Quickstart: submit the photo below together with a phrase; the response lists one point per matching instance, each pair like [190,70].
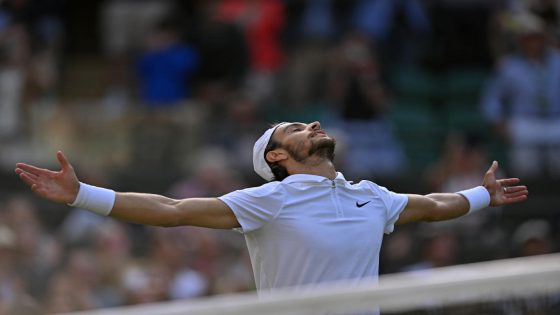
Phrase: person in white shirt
[307,226]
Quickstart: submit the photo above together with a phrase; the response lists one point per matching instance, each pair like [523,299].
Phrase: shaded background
[169,96]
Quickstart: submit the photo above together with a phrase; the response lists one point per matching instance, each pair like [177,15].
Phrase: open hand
[61,186]
[502,191]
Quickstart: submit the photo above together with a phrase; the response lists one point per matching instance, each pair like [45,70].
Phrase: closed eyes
[295,127]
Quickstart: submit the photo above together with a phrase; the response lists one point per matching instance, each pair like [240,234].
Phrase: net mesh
[517,286]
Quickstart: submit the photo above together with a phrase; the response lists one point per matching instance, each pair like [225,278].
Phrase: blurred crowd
[420,95]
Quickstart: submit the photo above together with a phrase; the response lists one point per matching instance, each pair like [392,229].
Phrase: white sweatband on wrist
[95,199]
[478,197]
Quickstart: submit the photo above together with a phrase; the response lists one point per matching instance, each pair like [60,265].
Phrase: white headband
[259,161]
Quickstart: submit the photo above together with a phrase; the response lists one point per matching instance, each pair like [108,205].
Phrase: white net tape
[488,281]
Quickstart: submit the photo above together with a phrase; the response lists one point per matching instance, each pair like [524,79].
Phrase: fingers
[515,189]
[20,171]
[27,178]
[32,169]
[508,181]
[515,194]
[515,199]
[62,160]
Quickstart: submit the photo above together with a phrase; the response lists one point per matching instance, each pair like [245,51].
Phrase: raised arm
[63,187]
[446,206]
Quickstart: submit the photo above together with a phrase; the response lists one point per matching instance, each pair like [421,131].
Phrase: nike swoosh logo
[359,205]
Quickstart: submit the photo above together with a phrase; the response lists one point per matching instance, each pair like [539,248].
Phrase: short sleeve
[394,203]
[254,207]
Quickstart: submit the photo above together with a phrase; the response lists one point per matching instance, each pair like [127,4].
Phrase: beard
[322,148]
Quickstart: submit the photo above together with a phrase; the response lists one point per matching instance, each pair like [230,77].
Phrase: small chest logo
[359,205]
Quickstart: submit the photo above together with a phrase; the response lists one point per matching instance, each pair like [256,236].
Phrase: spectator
[72,289]
[398,25]
[463,157]
[533,237]
[224,62]
[523,101]
[146,282]
[213,175]
[111,246]
[31,35]
[360,100]
[318,20]
[378,17]
[165,71]
[124,25]
[168,249]
[262,22]
[15,52]
[439,250]
[166,67]
[47,36]
[398,252]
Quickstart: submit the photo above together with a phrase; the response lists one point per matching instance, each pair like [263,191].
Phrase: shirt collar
[307,178]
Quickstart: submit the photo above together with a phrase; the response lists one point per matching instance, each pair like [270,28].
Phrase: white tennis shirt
[308,229]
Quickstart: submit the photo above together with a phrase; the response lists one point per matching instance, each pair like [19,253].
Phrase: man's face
[302,141]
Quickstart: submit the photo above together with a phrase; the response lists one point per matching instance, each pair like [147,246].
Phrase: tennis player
[306,226]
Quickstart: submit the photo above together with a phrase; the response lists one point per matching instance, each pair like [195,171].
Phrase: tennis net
[481,288]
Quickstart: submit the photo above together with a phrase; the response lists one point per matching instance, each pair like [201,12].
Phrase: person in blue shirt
[165,68]
[522,101]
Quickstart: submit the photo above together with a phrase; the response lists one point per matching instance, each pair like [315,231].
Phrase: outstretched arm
[63,187]
[445,206]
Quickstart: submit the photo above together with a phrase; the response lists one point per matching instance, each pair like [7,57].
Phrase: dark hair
[278,171]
